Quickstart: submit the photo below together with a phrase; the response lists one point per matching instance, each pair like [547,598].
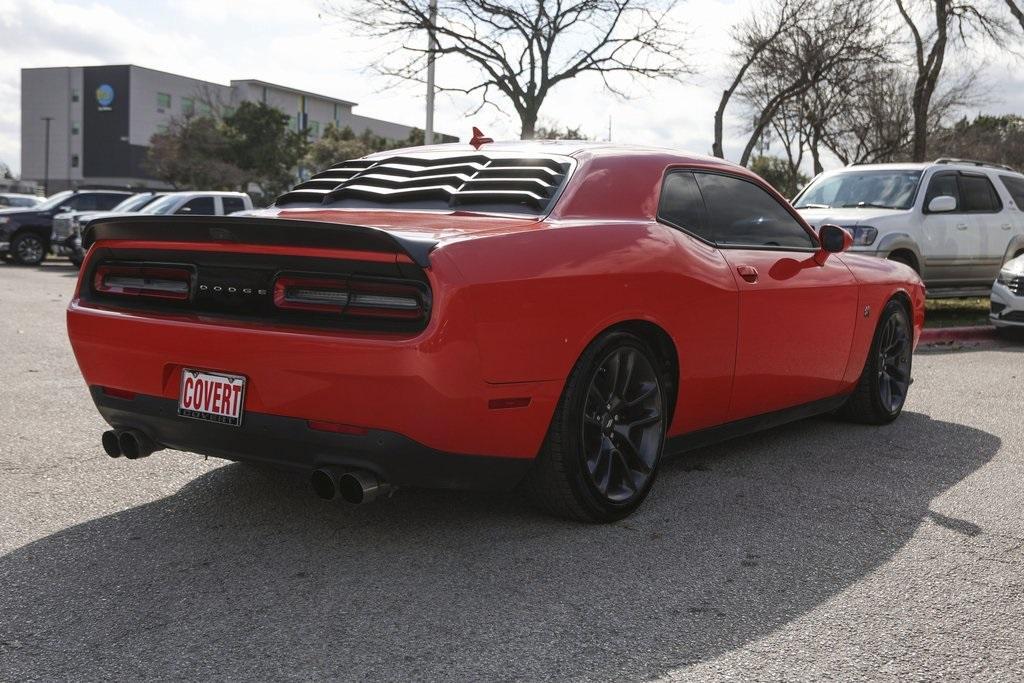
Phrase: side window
[105,202]
[232,204]
[1015,186]
[200,206]
[742,214]
[943,185]
[978,195]
[84,202]
[682,206]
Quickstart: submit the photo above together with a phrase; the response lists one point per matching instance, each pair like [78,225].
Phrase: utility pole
[428,133]
[46,159]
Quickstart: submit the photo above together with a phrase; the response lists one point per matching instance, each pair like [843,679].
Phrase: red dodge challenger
[553,315]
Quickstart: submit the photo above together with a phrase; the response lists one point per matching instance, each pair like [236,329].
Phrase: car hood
[77,214]
[85,216]
[844,217]
[19,211]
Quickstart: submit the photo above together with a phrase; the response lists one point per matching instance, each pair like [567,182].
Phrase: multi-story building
[92,125]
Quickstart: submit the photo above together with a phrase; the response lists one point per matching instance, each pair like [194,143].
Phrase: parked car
[9,199]
[558,314]
[65,240]
[200,204]
[1007,298]
[184,203]
[25,232]
[955,222]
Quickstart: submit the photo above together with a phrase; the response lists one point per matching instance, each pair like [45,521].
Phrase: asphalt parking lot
[817,550]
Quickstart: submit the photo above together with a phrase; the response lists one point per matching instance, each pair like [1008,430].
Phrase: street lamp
[46,159]
[428,132]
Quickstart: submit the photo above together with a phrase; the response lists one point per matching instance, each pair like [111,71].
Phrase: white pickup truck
[955,222]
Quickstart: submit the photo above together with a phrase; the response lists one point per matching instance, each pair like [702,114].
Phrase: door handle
[961,226]
[748,273]
[1006,226]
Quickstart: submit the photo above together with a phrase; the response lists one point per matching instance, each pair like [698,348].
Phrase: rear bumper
[428,388]
[289,442]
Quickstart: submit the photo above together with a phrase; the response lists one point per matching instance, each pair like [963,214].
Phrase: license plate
[212,396]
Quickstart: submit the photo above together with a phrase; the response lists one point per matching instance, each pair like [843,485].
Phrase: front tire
[28,249]
[885,380]
[606,439]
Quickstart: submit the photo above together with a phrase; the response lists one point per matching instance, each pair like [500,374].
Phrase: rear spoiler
[258,230]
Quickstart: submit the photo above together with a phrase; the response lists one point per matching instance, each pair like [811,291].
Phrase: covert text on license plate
[212,396]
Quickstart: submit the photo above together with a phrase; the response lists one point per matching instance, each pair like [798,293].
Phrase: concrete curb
[941,335]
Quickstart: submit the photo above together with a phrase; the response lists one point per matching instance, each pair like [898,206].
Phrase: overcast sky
[291,43]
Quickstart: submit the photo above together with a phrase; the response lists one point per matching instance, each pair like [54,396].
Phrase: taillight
[160,282]
[350,297]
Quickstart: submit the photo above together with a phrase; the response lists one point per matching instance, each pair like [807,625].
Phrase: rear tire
[885,380]
[28,249]
[602,451]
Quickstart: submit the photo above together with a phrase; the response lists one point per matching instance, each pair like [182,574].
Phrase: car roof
[201,193]
[953,165]
[570,148]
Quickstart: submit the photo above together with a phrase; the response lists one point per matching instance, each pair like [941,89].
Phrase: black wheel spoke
[650,418]
[648,389]
[893,363]
[623,424]
[632,457]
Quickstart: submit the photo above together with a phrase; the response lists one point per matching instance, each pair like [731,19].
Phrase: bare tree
[876,122]
[753,37]
[834,38]
[948,23]
[522,50]
[1016,11]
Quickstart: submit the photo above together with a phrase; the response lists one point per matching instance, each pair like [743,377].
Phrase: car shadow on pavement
[243,574]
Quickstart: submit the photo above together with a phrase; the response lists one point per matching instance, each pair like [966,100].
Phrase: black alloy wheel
[28,249]
[886,378]
[623,425]
[894,363]
[606,438]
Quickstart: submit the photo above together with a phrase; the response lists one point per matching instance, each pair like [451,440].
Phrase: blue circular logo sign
[105,95]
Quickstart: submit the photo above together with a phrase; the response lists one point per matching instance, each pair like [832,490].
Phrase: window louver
[483,181]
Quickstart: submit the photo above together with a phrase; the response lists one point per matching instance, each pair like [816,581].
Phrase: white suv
[955,222]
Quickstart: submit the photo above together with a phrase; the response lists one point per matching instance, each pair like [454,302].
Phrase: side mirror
[66,208]
[184,209]
[833,240]
[942,204]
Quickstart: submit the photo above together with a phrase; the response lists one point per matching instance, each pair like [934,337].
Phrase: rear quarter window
[1015,186]
[682,206]
[978,195]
